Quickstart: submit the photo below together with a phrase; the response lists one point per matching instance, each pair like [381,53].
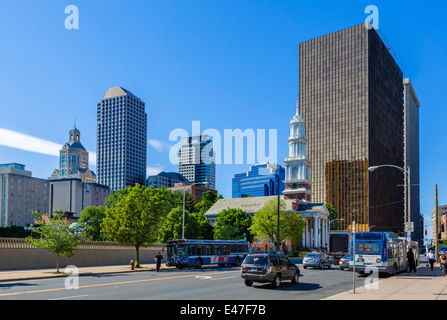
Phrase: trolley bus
[195,253]
[382,251]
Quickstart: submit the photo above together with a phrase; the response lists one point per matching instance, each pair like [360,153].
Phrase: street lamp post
[278,239]
[184,194]
[407,172]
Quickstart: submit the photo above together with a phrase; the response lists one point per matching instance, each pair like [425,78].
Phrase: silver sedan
[317,260]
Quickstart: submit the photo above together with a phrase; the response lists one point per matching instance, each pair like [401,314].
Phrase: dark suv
[272,267]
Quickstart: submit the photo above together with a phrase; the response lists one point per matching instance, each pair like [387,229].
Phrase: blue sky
[228,64]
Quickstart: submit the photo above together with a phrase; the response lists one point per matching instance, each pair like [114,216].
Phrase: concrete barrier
[17,254]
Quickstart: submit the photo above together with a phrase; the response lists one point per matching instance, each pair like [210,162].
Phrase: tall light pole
[407,172]
[278,239]
[184,194]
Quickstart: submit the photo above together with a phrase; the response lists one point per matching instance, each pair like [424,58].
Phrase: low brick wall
[17,254]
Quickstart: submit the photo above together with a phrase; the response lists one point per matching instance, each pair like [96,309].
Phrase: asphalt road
[208,283]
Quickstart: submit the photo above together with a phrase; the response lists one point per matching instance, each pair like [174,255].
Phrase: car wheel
[277,281]
[296,278]
[248,283]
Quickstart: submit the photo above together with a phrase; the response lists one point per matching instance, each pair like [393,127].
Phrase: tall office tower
[197,161]
[411,156]
[351,95]
[261,180]
[298,165]
[73,160]
[121,141]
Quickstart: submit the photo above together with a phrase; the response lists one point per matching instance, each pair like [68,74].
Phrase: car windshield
[256,260]
[313,255]
[346,256]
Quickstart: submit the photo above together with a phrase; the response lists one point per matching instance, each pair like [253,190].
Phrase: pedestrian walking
[158,259]
[431,259]
[411,262]
[443,260]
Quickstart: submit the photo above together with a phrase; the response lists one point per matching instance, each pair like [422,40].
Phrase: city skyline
[174,95]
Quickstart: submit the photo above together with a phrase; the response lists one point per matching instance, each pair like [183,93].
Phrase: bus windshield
[368,247]
[176,250]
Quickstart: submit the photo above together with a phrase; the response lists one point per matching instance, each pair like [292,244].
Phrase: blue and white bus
[381,251]
[195,253]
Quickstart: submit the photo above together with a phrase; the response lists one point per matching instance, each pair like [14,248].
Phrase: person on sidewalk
[158,259]
[443,260]
[411,262]
[431,259]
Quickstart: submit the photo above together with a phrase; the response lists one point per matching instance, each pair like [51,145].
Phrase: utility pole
[436,224]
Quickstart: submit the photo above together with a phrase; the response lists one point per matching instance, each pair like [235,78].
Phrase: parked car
[272,267]
[317,260]
[343,263]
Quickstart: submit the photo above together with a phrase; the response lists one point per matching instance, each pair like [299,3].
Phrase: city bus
[381,251]
[195,253]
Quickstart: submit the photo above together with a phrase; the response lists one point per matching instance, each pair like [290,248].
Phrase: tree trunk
[137,257]
[57,264]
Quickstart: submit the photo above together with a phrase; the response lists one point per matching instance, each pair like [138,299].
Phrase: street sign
[409,227]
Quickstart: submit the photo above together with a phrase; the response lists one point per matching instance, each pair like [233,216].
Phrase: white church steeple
[298,166]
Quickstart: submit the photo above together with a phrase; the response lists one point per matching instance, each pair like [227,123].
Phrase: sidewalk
[422,285]
[16,275]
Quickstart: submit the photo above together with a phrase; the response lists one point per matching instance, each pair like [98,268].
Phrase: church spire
[297,180]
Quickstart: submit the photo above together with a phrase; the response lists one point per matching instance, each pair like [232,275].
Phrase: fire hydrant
[132,265]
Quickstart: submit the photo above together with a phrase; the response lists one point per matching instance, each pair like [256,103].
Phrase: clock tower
[297,181]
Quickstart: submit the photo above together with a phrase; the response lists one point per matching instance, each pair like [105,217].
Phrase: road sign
[409,227]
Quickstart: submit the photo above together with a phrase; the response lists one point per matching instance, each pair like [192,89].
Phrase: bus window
[192,249]
[368,247]
[218,248]
[234,248]
[209,249]
[240,248]
[226,249]
[199,249]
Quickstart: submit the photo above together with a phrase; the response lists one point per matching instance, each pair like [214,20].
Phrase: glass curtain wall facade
[260,181]
[121,139]
[351,98]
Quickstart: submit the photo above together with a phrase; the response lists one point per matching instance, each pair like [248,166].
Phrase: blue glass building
[260,181]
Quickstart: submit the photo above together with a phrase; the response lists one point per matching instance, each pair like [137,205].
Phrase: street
[208,283]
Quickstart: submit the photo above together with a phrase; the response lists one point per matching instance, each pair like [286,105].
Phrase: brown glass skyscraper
[351,95]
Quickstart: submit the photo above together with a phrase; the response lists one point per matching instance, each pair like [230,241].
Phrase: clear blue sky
[228,64]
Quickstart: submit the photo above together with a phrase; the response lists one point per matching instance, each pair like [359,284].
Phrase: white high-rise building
[121,143]
[197,161]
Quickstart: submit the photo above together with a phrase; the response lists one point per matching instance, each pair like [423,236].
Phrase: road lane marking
[113,283]
[223,278]
[71,297]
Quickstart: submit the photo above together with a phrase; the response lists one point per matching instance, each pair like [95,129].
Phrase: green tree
[335,225]
[136,217]
[231,224]
[56,235]
[90,220]
[265,222]
[208,200]
[206,229]
[173,225]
